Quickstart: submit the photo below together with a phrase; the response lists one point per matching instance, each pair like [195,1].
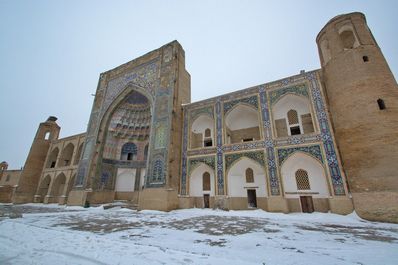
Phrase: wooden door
[307,205]
[206,201]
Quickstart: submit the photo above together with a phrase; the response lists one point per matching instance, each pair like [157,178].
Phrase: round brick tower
[363,104]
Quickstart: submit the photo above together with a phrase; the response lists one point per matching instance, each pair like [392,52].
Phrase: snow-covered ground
[74,235]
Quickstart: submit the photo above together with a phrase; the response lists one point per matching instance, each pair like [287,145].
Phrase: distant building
[324,140]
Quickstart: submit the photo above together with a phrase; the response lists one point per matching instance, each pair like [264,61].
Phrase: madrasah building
[324,140]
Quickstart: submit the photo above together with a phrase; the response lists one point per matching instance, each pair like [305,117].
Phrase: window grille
[303,183]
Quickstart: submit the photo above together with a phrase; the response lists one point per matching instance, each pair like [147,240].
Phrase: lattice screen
[303,183]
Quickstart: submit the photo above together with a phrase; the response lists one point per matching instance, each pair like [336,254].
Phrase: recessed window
[381,104]
[303,183]
[295,130]
[47,136]
[348,39]
[206,181]
[52,164]
[365,58]
[208,142]
[8,178]
[247,139]
[249,175]
[207,132]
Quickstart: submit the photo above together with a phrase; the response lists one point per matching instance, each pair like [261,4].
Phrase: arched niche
[52,159]
[316,175]
[66,155]
[57,188]
[237,178]
[348,37]
[43,187]
[292,116]
[196,180]
[202,132]
[129,122]
[242,124]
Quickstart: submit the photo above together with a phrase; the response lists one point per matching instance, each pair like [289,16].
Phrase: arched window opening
[302,180]
[207,132]
[8,178]
[207,141]
[201,132]
[206,181]
[381,104]
[365,58]
[348,39]
[47,136]
[129,152]
[67,153]
[249,175]
[242,124]
[293,121]
[52,159]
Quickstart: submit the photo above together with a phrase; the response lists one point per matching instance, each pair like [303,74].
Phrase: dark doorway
[252,199]
[206,201]
[307,205]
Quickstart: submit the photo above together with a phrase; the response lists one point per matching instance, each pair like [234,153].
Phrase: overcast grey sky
[52,52]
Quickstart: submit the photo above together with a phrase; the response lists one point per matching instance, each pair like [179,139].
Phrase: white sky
[52,52]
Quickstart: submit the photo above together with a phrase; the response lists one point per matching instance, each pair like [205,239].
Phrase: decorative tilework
[144,76]
[194,162]
[202,151]
[220,166]
[326,135]
[253,100]
[183,190]
[257,156]
[160,135]
[269,143]
[300,90]
[209,111]
[243,146]
[314,151]
[157,172]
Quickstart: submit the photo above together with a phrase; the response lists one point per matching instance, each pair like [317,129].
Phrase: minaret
[363,103]
[30,176]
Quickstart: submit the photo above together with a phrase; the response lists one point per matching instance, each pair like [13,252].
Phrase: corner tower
[363,103]
[30,176]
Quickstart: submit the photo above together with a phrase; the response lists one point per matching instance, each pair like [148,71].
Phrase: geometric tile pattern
[269,143]
[326,135]
[195,162]
[220,166]
[257,156]
[250,101]
[300,90]
[209,111]
[314,151]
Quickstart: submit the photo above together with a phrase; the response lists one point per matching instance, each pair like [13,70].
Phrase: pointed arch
[66,155]
[242,123]
[196,179]
[52,159]
[303,165]
[236,178]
